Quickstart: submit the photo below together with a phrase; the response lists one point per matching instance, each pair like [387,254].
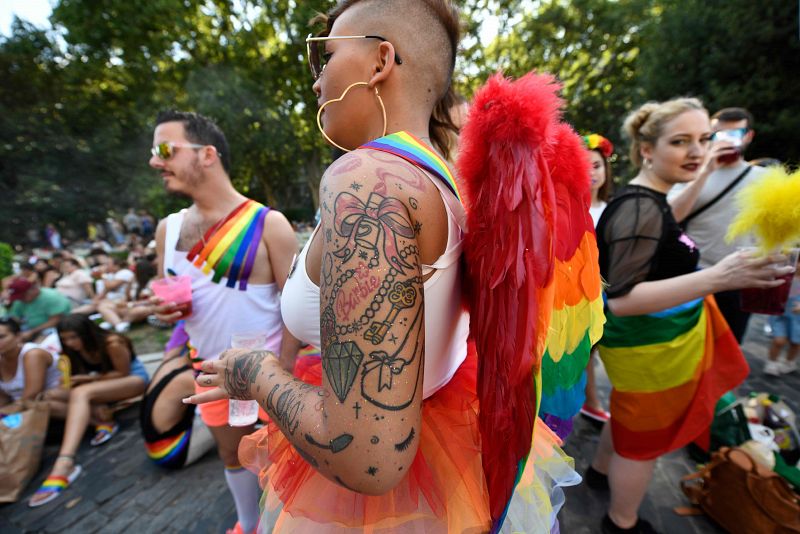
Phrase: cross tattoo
[356,407]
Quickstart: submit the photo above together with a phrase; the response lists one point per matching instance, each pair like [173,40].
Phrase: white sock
[246,494]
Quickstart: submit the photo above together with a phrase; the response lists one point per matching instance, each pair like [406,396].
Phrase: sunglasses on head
[166,150]
[317,57]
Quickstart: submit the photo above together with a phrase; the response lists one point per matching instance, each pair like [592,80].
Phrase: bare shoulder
[115,342]
[38,357]
[279,235]
[277,221]
[369,179]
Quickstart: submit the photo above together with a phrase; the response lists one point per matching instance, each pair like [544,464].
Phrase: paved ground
[120,491]
[585,508]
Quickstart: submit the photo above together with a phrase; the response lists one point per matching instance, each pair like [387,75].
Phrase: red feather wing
[510,257]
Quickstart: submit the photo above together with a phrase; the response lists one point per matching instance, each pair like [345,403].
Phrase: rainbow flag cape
[230,245]
[668,370]
[576,324]
[410,148]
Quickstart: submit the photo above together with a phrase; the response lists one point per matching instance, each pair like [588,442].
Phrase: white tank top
[219,311]
[16,386]
[446,319]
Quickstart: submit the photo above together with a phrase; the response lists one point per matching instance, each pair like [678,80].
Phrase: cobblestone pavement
[585,508]
[120,491]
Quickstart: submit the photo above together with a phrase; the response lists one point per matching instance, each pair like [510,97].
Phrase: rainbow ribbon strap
[230,245]
[410,148]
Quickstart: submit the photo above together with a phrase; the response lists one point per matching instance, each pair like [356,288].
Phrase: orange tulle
[444,490]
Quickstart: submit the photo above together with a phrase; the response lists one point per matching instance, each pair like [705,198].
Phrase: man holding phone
[706,207]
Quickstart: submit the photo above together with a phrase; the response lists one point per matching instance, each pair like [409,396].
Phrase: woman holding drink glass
[668,352]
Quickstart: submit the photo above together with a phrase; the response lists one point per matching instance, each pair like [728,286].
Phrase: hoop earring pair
[344,94]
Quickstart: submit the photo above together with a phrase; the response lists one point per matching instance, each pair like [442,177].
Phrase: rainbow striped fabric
[169,452]
[410,148]
[577,302]
[230,246]
[668,370]
[53,483]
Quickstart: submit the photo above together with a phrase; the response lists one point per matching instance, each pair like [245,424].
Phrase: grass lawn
[147,339]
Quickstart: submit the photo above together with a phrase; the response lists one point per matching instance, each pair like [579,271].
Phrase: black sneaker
[641,527]
[595,479]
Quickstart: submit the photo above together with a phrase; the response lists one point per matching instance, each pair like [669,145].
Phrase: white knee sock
[246,494]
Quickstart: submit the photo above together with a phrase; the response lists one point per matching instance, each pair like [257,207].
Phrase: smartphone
[733,136]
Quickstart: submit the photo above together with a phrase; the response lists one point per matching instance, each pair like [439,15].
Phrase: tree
[591,46]
[740,53]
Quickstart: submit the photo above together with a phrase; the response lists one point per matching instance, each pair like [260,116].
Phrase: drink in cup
[245,412]
[736,138]
[177,289]
[770,300]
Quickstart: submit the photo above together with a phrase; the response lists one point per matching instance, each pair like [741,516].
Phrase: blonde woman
[668,351]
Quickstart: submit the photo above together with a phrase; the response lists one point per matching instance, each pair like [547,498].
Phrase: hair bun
[636,119]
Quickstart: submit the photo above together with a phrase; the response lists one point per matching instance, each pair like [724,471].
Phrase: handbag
[23,426]
[743,496]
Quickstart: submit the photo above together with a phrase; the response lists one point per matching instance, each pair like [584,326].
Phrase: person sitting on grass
[26,369]
[114,295]
[104,369]
[77,285]
[39,309]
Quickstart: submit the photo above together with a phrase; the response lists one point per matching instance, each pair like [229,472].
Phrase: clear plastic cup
[177,289]
[245,413]
[770,300]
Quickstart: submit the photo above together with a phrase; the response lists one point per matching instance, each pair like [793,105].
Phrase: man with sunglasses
[706,207]
[238,254]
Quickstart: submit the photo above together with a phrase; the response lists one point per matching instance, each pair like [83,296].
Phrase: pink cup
[177,289]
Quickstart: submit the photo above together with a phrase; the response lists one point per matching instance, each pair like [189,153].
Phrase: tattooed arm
[361,427]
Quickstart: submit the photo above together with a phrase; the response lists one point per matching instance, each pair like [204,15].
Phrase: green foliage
[77,111]
[6,260]
[742,53]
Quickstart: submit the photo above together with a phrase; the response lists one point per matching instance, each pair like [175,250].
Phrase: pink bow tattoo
[380,219]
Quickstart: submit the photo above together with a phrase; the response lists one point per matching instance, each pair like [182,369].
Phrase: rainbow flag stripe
[230,246]
[668,370]
[167,452]
[577,302]
[410,148]
[309,351]
[54,483]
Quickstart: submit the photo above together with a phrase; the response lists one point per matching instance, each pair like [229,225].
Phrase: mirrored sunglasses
[166,150]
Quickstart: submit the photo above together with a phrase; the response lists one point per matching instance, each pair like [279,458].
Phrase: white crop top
[446,319]
[16,386]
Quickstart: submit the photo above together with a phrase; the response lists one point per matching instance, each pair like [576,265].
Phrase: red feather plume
[570,170]
[509,248]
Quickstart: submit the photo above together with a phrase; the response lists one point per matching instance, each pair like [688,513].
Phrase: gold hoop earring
[344,94]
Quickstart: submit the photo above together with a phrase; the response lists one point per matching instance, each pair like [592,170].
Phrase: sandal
[54,485]
[103,433]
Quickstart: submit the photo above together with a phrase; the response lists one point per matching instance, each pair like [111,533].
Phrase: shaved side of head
[424,33]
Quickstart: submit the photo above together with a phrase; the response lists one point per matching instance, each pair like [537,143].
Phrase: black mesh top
[639,241]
